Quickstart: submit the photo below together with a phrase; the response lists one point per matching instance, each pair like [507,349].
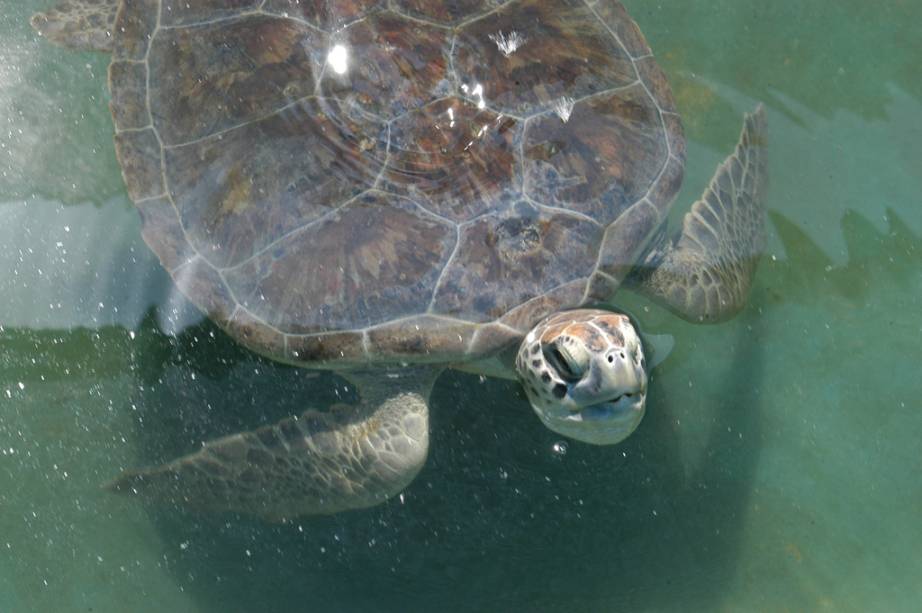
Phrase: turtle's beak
[607,403]
[616,376]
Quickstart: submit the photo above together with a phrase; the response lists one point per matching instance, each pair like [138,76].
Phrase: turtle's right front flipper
[705,272]
[84,25]
[350,457]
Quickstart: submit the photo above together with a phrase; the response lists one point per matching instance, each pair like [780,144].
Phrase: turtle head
[585,375]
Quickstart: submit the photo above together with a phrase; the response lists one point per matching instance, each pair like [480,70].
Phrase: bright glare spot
[338,59]
[507,43]
[564,107]
[451,117]
[478,92]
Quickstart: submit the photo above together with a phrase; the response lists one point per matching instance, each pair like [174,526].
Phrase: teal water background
[778,467]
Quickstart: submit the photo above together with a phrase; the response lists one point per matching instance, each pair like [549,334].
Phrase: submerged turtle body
[363,184]
[388,189]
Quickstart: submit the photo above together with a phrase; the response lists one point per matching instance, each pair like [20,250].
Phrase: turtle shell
[345,181]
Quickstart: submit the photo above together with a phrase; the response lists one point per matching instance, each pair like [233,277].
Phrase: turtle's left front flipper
[84,25]
[705,272]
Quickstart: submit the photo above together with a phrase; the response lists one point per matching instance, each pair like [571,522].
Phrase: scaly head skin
[585,375]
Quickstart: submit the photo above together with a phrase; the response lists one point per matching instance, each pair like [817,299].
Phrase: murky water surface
[778,466]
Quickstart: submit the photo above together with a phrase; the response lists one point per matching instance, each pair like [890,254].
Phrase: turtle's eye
[557,360]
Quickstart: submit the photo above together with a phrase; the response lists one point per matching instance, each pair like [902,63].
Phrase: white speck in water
[184,545]
[402,499]
[507,43]
[21,385]
[560,447]
[338,59]
[563,107]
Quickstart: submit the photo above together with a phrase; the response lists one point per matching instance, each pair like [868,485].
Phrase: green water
[778,467]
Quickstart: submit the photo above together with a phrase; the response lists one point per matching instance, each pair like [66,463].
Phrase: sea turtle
[387,189]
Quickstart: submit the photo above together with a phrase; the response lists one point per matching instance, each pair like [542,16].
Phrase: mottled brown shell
[351,181]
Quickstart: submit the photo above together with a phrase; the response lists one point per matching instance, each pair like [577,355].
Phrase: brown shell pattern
[352,181]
